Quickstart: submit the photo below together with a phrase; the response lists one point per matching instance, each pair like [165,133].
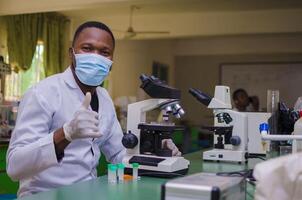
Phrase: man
[244,103]
[66,120]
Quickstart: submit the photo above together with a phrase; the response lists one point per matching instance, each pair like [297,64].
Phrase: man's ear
[70,52]
[71,57]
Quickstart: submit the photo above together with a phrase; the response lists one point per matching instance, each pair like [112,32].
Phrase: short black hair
[93,24]
[237,92]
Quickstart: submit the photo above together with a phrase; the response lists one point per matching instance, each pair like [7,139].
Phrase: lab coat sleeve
[112,146]
[31,149]
[279,178]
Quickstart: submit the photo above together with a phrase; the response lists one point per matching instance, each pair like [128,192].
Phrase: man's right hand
[85,123]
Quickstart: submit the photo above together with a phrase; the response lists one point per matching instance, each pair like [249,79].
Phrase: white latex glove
[279,178]
[84,123]
[169,144]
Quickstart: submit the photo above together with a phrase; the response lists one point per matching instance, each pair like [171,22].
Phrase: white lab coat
[279,178]
[31,157]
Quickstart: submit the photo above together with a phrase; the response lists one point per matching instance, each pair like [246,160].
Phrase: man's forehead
[91,35]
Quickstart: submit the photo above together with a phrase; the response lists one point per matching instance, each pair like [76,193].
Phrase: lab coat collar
[69,78]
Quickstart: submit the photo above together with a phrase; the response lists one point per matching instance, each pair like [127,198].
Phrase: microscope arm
[137,111]
[137,114]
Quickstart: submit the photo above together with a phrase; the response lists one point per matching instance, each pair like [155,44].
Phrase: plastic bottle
[135,167]
[264,129]
[120,172]
[112,173]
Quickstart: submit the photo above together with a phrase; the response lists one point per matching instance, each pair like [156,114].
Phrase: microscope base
[225,155]
[150,173]
[157,166]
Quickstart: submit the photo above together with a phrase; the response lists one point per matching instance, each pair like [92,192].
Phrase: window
[16,84]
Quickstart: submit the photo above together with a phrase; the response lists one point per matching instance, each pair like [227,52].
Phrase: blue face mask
[91,69]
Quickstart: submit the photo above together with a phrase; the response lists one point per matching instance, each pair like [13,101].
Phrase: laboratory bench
[143,189]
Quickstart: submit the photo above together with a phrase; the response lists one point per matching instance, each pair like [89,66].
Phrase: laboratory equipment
[230,127]
[5,68]
[135,167]
[144,139]
[273,107]
[289,128]
[284,150]
[7,113]
[112,177]
[255,144]
[120,172]
[272,100]
[7,121]
[264,131]
[235,133]
[205,186]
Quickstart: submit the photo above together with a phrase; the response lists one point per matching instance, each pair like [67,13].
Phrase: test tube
[135,171]
[272,107]
[112,173]
[120,171]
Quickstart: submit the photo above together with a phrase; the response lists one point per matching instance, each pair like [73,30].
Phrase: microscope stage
[158,166]
[160,127]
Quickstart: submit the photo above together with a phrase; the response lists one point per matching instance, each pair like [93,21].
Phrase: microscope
[144,140]
[230,127]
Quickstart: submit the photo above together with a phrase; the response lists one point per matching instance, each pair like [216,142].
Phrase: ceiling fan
[131,32]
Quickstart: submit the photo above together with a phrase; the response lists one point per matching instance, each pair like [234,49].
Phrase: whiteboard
[257,78]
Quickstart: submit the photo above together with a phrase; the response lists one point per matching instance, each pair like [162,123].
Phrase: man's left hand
[169,144]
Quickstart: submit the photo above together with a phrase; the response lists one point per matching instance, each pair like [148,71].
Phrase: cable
[243,173]
[246,174]
[251,195]
[251,181]
[160,174]
[254,156]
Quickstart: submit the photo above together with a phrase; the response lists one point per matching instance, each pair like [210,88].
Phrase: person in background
[67,120]
[244,103]
[254,102]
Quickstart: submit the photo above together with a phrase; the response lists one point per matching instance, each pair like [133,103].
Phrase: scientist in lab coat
[65,121]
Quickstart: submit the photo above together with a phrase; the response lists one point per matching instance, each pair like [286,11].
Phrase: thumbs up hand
[85,123]
[87,100]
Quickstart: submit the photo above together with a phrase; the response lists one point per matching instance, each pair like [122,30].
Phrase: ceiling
[182,6]
[120,7]
[183,18]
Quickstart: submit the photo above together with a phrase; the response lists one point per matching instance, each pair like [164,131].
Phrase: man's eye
[86,48]
[106,53]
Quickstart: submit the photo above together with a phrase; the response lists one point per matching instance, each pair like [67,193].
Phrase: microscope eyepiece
[156,88]
[143,77]
[200,96]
